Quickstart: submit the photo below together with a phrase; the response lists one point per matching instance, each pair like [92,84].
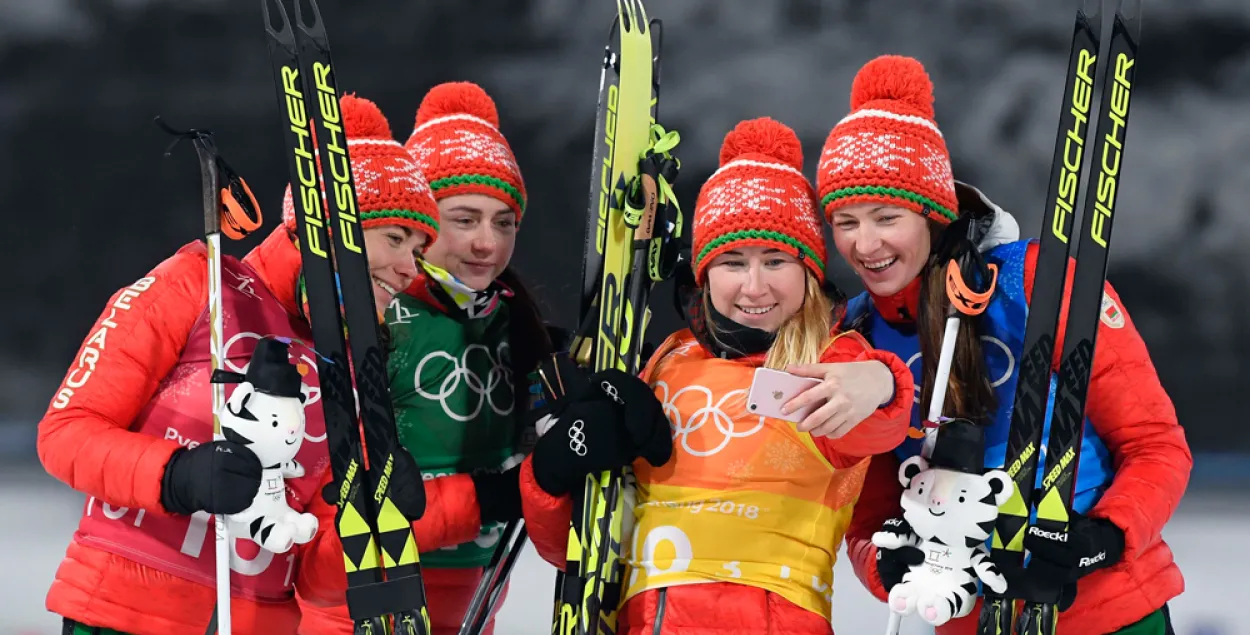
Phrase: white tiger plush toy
[265,412]
[951,514]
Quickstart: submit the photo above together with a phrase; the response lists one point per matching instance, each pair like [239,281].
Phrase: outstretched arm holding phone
[864,398]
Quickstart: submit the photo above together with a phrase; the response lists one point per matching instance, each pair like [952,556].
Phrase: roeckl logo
[1049,535]
[1086,562]
[894,522]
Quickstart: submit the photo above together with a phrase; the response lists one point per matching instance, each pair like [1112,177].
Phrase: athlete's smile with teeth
[385,287]
[878,265]
[755,310]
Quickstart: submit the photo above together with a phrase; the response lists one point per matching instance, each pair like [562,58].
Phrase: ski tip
[282,28]
[623,14]
[1091,10]
[633,16]
[1129,12]
[313,12]
[640,13]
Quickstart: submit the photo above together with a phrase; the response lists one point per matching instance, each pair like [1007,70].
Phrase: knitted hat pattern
[889,149]
[758,197]
[390,189]
[459,148]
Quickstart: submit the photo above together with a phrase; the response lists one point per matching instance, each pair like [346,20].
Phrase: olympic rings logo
[577,437]
[725,424]
[612,392]
[498,377]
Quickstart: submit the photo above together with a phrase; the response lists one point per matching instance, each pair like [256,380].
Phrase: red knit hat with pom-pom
[390,189]
[458,146]
[759,196]
[888,149]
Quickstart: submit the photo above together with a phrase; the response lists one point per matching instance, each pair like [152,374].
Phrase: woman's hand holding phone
[848,392]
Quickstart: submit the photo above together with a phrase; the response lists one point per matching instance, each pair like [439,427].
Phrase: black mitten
[498,495]
[407,490]
[645,421]
[615,420]
[221,477]
[893,564]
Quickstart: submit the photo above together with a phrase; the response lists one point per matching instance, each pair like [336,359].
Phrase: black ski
[1089,277]
[1028,414]
[383,565]
[1085,308]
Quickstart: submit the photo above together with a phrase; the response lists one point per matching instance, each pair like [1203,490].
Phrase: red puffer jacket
[85,439]
[1134,417]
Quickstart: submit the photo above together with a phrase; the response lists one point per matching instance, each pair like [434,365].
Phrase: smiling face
[477,234]
[951,506]
[393,254]
[756,286]
[886,246]
[272,427]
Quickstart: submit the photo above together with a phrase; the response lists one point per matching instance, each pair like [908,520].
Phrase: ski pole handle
[894,624]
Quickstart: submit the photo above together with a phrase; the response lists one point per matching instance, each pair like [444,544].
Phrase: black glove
[613,421]
[221,477]
[893,564]
[1058,560]
[407,490]
[1089,545]
[498,495]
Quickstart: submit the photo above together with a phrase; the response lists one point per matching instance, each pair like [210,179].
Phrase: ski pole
[240,216]
[494,578]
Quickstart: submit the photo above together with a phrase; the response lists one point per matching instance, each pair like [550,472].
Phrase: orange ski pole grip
[963,298]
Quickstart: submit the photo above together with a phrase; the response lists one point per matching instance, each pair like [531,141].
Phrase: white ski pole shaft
[212,230]
[896,622]
[938,399]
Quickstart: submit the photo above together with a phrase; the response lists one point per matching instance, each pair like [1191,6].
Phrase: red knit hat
[889,149]
[390,190]
[458,146]
[759,196]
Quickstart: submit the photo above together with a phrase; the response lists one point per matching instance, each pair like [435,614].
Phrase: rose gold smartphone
[771,389]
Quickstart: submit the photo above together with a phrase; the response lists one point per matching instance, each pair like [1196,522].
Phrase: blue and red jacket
[1134,462]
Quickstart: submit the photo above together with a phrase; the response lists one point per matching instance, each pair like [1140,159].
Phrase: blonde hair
[802,338]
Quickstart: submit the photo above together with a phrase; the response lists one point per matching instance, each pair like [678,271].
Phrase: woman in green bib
[464,336]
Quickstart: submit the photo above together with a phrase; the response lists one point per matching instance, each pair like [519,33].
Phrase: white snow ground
[38,515]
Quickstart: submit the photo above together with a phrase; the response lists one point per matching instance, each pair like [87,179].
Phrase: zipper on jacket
[659,612]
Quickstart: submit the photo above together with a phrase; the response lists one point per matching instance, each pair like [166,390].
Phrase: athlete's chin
[769,322]
[477,277]
[883,286]
[381,301]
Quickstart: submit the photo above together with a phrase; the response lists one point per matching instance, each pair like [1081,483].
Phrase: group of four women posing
[737,519]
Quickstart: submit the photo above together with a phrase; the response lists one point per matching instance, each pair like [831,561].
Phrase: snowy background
[91,204]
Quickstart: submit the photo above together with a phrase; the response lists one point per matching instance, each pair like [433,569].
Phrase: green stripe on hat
[480,179]
[760,234]
[383,214]
[880,190]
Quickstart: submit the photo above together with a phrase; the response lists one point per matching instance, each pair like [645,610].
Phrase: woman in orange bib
[736,531]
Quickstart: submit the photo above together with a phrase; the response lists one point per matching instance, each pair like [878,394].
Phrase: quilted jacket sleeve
[84,438]
[547,518]
[1135,418]
[322,580]
[887,427]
